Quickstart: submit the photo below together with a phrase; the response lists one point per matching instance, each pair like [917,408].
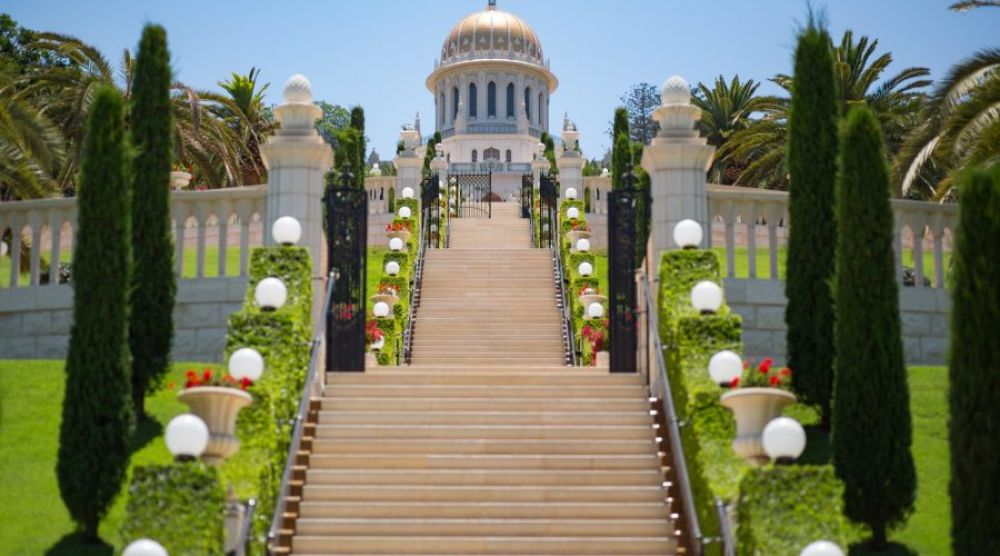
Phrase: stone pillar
[539,165]
[677,161]
[408,165]
[297,159]
[570,162]
[439,166]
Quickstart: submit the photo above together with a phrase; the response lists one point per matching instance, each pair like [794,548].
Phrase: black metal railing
[246,526]
[416,280]
[347,252]
[473,194]
[565,307]
[313,387]
[622,322]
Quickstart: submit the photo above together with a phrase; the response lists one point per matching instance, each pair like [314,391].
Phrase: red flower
[734,383]
[786,372]
[765,365]
[190,374]
[245,383]
[208,375]
[775,380]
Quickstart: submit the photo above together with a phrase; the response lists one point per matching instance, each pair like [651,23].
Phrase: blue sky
[378,53]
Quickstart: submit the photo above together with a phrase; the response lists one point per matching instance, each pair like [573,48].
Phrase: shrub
[97,415]
[181,506]
[974,428]
[782,509]
[812,159]
[871,411]
[154,286]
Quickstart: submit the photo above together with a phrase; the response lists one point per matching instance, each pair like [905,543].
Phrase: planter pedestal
[179,180]
[753,409]
[218,407]
[403,235]
[389,300]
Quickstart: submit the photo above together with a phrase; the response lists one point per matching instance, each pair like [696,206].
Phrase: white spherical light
[434,227]
[605,172]
[3,248]
[298,90]
[396,244]
[381,309]
[822,548]
[407,192]
[675,91]
[688,234]
[724,367]
[270,294]
[286,231]
[404,212]
[572,213]
[595,310]
[145,547]
[246,363]
[392,268]
[583,245]
[376,171]
[585,269]
[784,438]
[706,297]
[186,435]
[570,193]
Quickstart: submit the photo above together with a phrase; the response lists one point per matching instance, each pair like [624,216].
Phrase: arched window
[541,108]
[510,100]
[473,101]
[491,100]
[491,153]
[527,103]
[475,156]
[443,110]
[454,103]
[508,155]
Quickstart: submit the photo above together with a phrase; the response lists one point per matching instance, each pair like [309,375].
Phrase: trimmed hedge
[283,338]
[784,508]
[180,505]
[392,327]
[571,262]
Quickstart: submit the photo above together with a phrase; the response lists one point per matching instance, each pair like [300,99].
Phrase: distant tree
[358,123]
[620,123]
[550,153]
[431,152]
[151,327]
[640,101]
[643,203]
[335,118]
[621,158]
[591,167]
[388,168]
[347,152]
[974,393]
[97,416]
[872,430]
[373,158]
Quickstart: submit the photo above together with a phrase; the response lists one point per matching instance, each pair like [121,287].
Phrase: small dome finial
[676,91]
[492,5]
[298,90]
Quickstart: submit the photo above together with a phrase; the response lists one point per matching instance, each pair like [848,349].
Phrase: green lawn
[35,520]
[927,532]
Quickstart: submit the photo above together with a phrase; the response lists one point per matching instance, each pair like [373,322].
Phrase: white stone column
[408,164]
[539,165]
[677,160]
[570,162]
[297,159]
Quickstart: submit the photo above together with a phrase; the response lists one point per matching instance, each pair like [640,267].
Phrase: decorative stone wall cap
[298,90]
[675,91]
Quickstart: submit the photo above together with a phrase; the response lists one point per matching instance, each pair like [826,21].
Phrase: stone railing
[597,187]
[747,223]
[378,193]
[213,233]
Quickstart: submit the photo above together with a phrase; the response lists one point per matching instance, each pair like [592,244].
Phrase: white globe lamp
[405,212]
[246,363]
[392,268]
[571,193]
[784,439]
[145,547]
[286,231]
[407,192]
[270,294]
[706,297]
[822,548]
[186,436]
[724,367]
[434,227]
[585,269]
[583,245]
[688,234]
[605,173]
[396,244]
[3,248]
[572,213]
[381,309]
[595,310]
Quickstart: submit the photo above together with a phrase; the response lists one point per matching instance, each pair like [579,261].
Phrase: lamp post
[595,310]
[724,367]
[706,297]
[246,363]
[186,437]
[784,439]
[145,547]
[585,269]
[392,268]
[688,234]
[286,231]
[407,193]
[396,244]
[270,294]
[822,548]
[583,245]
[571,193]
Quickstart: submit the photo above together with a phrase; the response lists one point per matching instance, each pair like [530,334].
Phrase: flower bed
[392,327]
[590,336]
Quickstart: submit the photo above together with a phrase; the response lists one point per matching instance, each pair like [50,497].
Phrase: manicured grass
[928,530]
[374,271]
[35,520]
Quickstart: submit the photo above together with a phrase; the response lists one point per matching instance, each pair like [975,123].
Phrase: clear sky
[378,53]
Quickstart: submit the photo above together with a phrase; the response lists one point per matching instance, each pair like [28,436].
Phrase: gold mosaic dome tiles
[492,33]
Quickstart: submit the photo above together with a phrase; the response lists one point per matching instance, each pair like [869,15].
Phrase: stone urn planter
[389,300]
[179,180]
[576,236]
[402,234]
[753,409]
[586,300]
[218,406]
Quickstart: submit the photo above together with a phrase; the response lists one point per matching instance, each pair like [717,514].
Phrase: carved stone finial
[675,91]
[298,90]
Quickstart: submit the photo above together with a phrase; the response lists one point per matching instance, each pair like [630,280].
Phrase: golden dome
[492,33]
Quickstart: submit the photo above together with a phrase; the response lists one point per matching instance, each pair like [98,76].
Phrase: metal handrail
[725,529]
[673,427]
[313,378]
[566,307]
[245,527]
[418,270]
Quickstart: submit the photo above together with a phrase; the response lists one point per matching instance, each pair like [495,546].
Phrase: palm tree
[31,148]
[896,101]
[970,4]
[250,119]
[725,110]
[959,127]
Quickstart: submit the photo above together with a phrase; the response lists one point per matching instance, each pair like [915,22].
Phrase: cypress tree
[643,203]
[431,152]
[358,123]
[153,284]
[550,153]
[871,410]
[621,124]
[621,157]
[97,413]
[974,396]
[812,165]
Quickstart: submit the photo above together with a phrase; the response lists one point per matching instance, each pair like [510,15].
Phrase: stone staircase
[488,443]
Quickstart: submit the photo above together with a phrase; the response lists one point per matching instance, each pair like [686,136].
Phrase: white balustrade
[597,187]
[378,193]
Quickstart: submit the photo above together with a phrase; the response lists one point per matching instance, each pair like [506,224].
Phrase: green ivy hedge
[180,505]
[571,275]
[783,508]
[283,338]
[393,327]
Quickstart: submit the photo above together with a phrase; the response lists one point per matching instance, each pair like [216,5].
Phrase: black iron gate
[527,186]
[621,276]
[347,242]
[473,195]
[430,207]
[548,193]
